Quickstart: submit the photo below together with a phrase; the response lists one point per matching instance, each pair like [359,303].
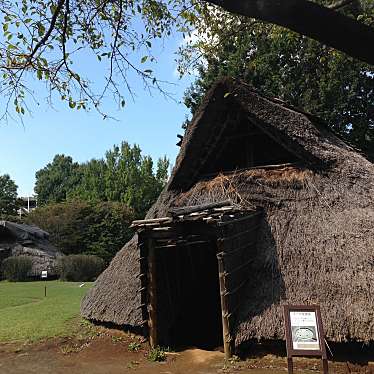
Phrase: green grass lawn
[26,315]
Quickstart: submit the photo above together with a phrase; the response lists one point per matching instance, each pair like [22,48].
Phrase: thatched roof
[27,240]
[316,240]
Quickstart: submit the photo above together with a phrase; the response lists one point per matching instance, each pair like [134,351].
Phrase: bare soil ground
[109,352]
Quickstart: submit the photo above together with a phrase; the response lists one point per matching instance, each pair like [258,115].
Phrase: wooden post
[227,344]
[152,287]
[143,278]
[325,366]
[290,365]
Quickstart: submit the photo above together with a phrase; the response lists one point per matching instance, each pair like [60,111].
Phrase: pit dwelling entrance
[194,266]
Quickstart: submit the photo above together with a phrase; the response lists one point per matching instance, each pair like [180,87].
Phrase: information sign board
[304,333]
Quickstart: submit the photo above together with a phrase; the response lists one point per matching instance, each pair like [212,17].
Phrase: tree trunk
[310,19]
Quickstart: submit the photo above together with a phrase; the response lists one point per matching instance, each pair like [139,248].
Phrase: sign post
[45,276]
[304,333]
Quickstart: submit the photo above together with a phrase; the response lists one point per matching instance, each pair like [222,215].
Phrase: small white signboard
[304,330]
[44,274]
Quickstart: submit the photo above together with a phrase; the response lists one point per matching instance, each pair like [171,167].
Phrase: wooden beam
[262,167]
[182,243]
[243,218]
[144,222]
[198,208]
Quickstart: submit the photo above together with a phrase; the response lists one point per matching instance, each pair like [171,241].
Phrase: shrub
[134,346]
[81,268]
[157,354]
[16,268]
[78,227]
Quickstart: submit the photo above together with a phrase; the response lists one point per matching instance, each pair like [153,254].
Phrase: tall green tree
[289,66]
[8,196]
[55,180]
[75,226]
[90,185]
[124,176]
[46,39]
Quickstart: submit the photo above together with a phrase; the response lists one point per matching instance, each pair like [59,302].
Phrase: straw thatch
[316,240]
[31,241]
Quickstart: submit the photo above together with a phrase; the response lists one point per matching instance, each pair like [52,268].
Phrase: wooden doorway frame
[233,247]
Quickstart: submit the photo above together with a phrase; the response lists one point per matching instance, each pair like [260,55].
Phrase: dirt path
[108,353]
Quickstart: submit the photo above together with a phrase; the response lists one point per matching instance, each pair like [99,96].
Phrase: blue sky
[150,121]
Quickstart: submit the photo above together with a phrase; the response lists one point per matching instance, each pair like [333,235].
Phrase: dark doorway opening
[189,304]
[194,268]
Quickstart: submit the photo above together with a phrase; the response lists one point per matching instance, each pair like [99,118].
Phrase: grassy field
[26,315]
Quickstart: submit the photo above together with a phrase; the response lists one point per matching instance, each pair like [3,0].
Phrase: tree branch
[310,19]
[46,36]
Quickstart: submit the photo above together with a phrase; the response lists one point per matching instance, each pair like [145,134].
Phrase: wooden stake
[227,344]
[152,295]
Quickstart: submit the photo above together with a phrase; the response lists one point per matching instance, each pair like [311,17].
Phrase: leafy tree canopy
[286,65]
[124,175]
[56,180]
[8,196]
[46,40]
[76,227]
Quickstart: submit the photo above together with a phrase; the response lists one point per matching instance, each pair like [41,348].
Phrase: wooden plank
[145,222]
[182,244]
[240,219]
[197,208]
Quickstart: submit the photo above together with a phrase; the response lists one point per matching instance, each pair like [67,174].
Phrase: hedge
[80,268]
[16,268]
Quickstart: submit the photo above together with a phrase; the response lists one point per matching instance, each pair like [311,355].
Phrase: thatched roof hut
[18,239]
[311,243]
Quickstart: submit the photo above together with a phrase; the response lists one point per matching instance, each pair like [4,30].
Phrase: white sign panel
[304,330]
[44,274]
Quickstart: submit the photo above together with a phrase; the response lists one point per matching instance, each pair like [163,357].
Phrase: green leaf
[144,59]
[41,29]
